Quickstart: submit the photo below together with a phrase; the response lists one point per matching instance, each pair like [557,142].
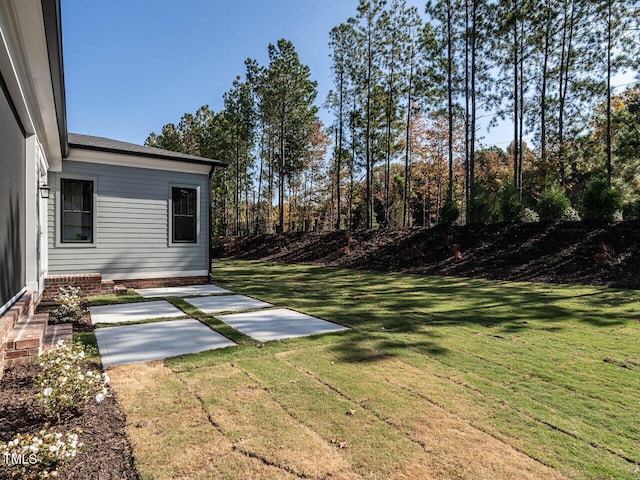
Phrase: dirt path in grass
[589,253]
[280,417]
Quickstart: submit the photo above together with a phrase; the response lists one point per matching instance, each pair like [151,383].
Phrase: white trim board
[135,161]
[12,300]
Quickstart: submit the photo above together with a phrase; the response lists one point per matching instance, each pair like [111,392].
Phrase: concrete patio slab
[227,303]
[156,341]
[278,324]
[134,312]
[187,291]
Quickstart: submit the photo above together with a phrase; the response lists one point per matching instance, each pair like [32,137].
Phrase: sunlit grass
[437,378]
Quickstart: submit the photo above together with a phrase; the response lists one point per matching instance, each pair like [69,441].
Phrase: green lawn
[438,378]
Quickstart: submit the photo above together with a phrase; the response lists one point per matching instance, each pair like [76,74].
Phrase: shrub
[449,213]
[64,382]
[217,248]
[511,207]
[529,216]
[631,210]
[571,215]
[38,456]
[480,208]
[69,304]
[600,201]
[553,203]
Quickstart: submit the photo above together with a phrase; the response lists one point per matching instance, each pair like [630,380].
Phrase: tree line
[409,95]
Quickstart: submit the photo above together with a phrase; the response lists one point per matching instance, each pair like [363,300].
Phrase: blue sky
[132,66]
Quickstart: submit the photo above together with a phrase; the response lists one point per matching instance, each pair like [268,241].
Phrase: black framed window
[184,214]
[77,211]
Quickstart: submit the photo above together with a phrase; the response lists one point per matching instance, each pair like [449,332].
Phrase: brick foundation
[163,282]
[90,284]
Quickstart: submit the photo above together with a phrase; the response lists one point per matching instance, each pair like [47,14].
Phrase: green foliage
[600,201]
[480,208]
[553,203]
[39,455]
[69,303]
[449,213]
[64,381]
[510,205]
[217,248]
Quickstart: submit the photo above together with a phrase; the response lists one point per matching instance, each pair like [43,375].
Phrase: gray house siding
[131,224]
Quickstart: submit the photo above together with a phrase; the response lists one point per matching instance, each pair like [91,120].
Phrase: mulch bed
[107,453]
[588,252]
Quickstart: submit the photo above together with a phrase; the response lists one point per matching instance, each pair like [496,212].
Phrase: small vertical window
[77,211]
[184,213]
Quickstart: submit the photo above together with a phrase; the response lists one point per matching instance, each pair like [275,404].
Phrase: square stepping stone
[227,303]
[278,323]
[134,312]
[187,291]
[156,341]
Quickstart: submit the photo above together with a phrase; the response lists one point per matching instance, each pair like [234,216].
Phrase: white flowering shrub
[37,456]
[529,216]
[571,215]
[65,383]
[69,304]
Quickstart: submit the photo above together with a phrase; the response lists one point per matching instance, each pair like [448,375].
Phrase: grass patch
[437,378]
[130,297]
[90,344]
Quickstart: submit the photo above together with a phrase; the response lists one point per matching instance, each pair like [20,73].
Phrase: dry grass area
[438,378]
[279,419]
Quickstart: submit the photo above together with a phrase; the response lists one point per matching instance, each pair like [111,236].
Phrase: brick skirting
[90,284]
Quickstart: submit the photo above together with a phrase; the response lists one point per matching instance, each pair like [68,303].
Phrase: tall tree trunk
[262,153]
[516,110]
[472,147]
[353,161]
[521,115]
[339,158]
[236,192]
[407,149]
[565,61]
[450,97]
[281,176]
[543,89]
[270,178]
[387,167]
[609,46]
[369,169]
[467,166]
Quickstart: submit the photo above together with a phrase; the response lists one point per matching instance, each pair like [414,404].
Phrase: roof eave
[212,163]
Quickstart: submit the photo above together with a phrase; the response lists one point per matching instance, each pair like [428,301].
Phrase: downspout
[210,223]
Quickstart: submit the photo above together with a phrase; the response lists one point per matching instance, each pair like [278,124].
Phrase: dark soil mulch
[593,253]
[106,454]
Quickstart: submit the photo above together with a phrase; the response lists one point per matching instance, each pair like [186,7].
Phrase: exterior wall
[12,202]
[29,145]
[131,216]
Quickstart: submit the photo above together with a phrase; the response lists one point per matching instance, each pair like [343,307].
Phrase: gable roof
[101,144]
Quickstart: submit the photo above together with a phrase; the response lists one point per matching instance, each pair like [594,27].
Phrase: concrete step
[25,340]
[56,332]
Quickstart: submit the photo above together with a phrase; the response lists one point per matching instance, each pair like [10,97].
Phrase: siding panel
[132,223]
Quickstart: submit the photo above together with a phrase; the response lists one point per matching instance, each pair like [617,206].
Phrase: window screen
[184,214]
[77,211]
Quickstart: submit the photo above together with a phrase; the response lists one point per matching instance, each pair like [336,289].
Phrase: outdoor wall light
[44,191]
